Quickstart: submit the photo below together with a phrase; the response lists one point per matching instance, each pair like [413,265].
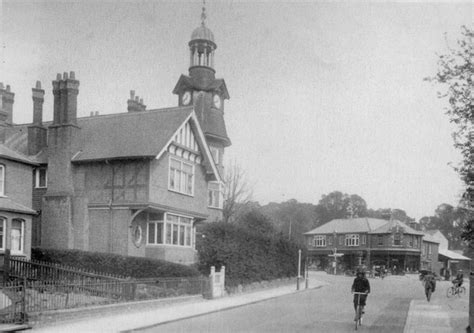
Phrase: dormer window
[41,178]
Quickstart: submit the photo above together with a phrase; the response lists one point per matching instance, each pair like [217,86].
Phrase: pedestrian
[360,285]
[430,285]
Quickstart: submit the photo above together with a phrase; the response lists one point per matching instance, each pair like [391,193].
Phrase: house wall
[159,193]
[18,180]
[109,230]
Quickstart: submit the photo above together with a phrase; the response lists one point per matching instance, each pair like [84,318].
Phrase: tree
[338,205]
[455,77]
[450,221]
[237,191]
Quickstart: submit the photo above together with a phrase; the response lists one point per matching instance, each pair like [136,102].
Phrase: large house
[133,183]
[365,242]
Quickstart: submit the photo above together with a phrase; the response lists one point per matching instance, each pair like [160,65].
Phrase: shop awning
[452,255]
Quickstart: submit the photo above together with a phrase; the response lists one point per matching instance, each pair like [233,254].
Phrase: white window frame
[181,183]
[22,237]
[155,235]
[37,177]
[215,196]
[2,180]
[352,240]
[3,225]
[320,241]
[174,228]
[399,236]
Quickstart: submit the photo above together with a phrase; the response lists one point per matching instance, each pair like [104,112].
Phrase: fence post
[23,317]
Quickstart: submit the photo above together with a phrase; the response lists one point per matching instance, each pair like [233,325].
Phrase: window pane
[2,223]
[181,235]
[151,233]
[16,236]
[168,233]
[188,236]
[159,233]
[175,234]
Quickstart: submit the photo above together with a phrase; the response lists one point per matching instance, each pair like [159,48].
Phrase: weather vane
[203,14]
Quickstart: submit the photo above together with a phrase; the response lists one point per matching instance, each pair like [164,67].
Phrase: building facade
[132,183]
[365,242]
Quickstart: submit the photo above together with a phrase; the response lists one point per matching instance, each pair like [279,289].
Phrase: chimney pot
[72,75]
[38,84]
[132,94]
[97,113]
[141,100]
[8,87]
[92,113]
[1,85]
[65,76]
[58,76]
[137,98]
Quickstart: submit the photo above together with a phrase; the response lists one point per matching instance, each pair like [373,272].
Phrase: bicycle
[359,310]
[455,290]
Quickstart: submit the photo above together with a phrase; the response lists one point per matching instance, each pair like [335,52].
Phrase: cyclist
[360,285]
[459,279]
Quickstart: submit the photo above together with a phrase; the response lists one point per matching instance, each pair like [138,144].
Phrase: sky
[324,95]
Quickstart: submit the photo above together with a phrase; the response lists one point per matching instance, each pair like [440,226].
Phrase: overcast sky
[324,95]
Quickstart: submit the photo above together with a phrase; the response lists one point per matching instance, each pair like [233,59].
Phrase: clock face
[217,101]
[186,99]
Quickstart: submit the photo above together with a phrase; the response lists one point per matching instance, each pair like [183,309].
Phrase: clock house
[139,194]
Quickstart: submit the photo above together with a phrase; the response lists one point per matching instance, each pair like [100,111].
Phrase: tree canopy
[455,77]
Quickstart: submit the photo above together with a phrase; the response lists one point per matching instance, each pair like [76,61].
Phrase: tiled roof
[10,154]
[389,225]
[128,135]
[356,225]
[6,204]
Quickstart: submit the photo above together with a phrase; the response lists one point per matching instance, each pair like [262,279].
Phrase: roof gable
[394,226]
[199,138]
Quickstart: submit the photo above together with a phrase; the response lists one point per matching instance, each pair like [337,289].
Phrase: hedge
[134,267]
[247,256]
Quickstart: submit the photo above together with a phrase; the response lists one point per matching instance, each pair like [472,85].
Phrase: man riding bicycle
[459,279]
[360,285]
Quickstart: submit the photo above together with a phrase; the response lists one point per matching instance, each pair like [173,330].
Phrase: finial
[203,14]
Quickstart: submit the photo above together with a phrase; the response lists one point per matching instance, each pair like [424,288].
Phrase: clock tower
[202,90]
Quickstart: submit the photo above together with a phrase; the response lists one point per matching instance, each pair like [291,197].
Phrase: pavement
[422,316]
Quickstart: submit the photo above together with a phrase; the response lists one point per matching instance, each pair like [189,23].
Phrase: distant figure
[430,285]
[447,275]
[360,285]
[459,279]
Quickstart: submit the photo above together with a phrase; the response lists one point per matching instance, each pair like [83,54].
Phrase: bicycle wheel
[461,291]
[450,292]
[357,321]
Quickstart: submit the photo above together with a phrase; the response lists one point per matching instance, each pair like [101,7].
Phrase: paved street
[328,309]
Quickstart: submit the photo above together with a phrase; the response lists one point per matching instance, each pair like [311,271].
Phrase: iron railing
[20,298]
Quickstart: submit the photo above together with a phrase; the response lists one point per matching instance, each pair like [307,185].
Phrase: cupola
[201,50]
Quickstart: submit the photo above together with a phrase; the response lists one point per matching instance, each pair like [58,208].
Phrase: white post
[299,271]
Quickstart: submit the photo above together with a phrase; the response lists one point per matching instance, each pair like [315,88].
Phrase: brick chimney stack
[65,91]
[6,105]
[37,133]
[135,103]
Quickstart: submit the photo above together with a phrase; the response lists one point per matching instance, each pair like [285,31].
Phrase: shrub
[107,263]
[248,256]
